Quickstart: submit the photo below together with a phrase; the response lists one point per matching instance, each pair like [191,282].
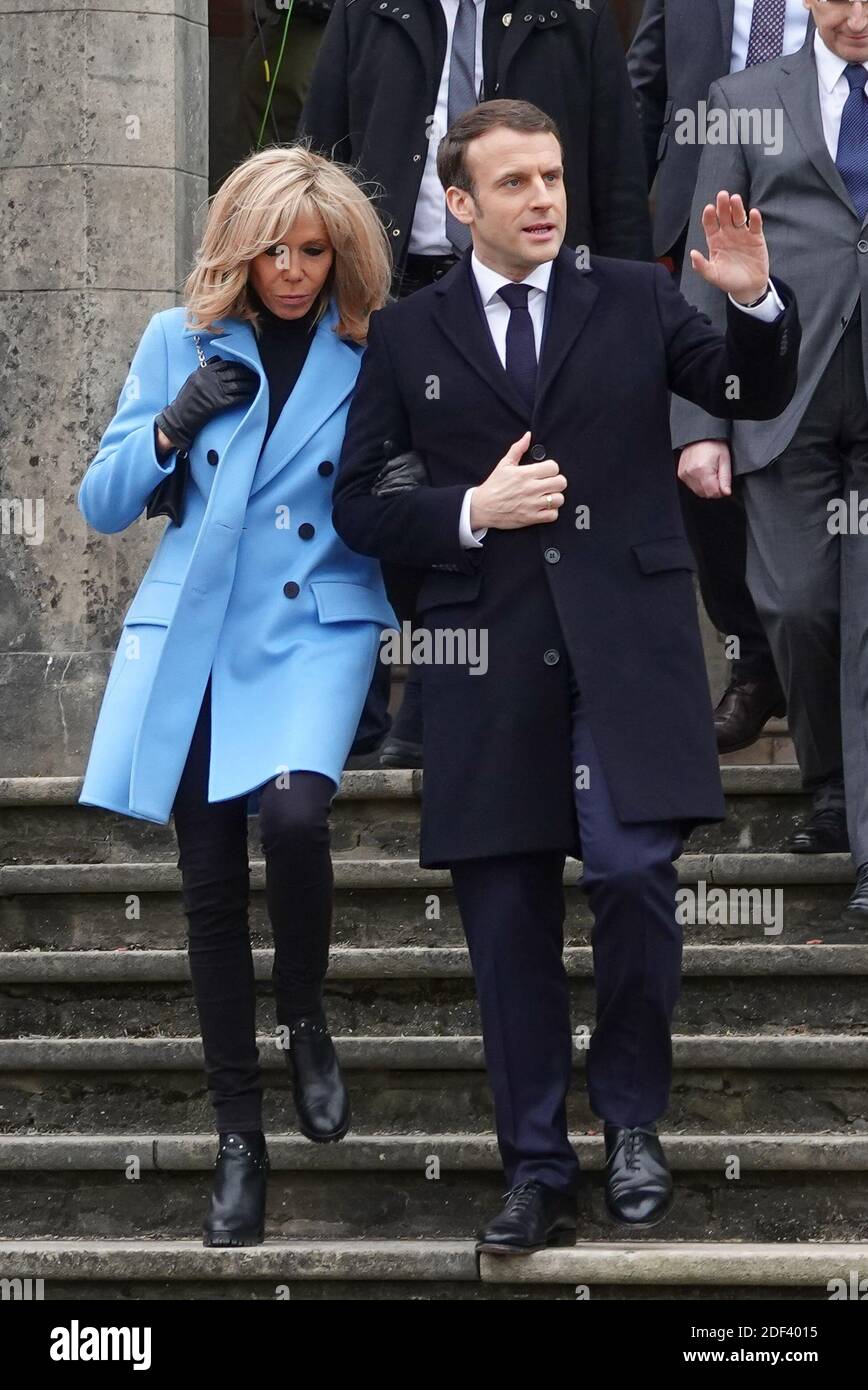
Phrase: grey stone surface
[98,232]
[797,1051]
[689,1153]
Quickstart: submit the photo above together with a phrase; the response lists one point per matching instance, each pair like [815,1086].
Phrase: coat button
[291,589]
[551,657]
[863,246]
[538,453]
[306,531]
[553,555]
[213,457]
[325,468]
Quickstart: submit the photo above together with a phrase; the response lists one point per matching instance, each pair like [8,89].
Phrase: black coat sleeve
[417,528]
[747,374]
[646,63]
[325,117]
[618,186]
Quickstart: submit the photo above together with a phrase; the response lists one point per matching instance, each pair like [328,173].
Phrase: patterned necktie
[852,156]
[766,31]
[521,364]
[462,95]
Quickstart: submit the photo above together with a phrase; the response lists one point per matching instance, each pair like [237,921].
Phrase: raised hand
[738,258]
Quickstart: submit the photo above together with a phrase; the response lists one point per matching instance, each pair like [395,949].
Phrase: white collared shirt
[834,91]
[428,232]
[795,29]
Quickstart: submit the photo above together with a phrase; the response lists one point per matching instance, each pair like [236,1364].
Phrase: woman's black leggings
[212,845]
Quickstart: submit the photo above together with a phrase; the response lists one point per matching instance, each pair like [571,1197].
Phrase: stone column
[103,177]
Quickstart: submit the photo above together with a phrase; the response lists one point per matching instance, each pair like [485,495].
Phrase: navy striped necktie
[852,156]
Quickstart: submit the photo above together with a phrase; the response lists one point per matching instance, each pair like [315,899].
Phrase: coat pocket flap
[155,602]
[339,601]
[442,587]
[671,553]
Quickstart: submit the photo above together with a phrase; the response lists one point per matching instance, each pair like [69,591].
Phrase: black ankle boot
[236,1215]
[321,1101]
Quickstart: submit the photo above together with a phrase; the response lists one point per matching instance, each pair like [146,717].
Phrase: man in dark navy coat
[533,381]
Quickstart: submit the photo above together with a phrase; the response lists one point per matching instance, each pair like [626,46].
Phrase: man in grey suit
[681,47]
[804,476]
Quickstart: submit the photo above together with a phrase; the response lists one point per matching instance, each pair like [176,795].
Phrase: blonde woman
[248,649]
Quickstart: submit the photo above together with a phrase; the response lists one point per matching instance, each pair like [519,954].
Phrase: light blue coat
[289,674]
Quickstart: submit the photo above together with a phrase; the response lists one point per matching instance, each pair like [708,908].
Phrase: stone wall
[103,169]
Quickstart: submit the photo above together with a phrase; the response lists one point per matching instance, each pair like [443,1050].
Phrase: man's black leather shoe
[400,752]
[321,1101]
[824,832]
[743,710]
[236,1215]
[856,910]
[639,1188]
[533,1217]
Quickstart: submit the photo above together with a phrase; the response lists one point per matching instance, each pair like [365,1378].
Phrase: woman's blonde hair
[255,208]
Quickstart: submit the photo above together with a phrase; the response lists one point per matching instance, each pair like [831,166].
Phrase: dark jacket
[681,47]
[616,596]
[375,86]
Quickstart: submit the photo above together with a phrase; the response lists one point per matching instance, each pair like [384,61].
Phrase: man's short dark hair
[489,115]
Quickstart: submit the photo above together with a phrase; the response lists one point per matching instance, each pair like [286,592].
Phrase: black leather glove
[399,474]
[210,389]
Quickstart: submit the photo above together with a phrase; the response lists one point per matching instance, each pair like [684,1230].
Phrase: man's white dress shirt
[428,232]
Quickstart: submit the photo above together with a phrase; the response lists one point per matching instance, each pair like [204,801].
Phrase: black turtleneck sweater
[283,347]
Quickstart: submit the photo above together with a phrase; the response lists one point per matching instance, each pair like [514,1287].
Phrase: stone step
[401,1269]
[419,990]
[375,811]
[791,1082]
[391,901]
[810,1187]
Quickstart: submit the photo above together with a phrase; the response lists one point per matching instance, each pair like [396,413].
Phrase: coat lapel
[573,296]
[326,379]
[798,88]
[459,318]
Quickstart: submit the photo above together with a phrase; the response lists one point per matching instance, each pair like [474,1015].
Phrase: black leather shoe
[639,1189]
[321,1100]
[236,1215]
[824,832]
[400,752]
[533,1216]
[743,711]
[856,910]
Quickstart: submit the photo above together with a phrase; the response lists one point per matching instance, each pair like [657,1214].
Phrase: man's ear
[460,204]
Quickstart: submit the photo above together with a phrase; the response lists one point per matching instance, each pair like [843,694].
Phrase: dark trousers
[512,909]
[212,845]
[717,532]
[810,583]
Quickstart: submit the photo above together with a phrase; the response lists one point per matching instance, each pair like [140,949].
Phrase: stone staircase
[105,1130]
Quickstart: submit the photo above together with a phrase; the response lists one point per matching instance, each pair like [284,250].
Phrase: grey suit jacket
[681,47]
[817,242]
